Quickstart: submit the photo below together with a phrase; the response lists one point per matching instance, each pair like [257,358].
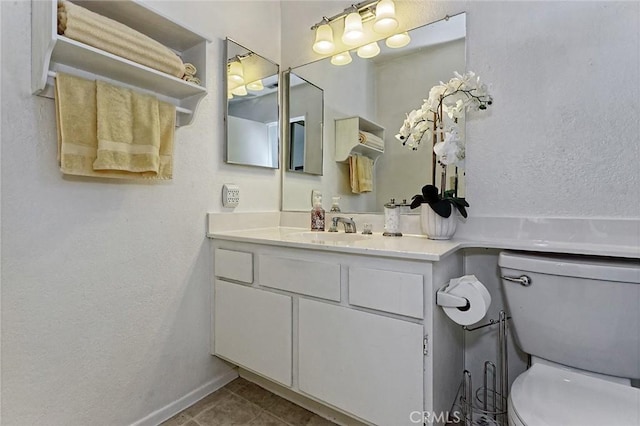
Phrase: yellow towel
[128,130]
[365,173]
[111,36]
[167,114]
[76,114]
[353,174]
[360,174]
[77,131]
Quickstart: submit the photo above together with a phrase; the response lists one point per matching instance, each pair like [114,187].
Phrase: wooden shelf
[52,53]
[347,141]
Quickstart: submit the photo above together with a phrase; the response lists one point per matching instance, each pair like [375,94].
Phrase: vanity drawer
[234,265]
[396,292]
[306,277]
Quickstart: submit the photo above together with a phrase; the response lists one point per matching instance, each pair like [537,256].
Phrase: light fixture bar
[358,7]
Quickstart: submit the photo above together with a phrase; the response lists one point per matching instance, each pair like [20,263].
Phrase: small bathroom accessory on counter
[317,215]
[392,219]
[335,204]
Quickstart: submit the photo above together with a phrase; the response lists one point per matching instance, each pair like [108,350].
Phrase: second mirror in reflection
[306,115]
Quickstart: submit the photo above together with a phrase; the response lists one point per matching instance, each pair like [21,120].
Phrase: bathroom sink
[335,238]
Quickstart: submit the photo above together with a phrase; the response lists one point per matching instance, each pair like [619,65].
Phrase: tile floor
[244,403]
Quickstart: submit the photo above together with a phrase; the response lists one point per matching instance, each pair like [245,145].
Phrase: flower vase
[436,227]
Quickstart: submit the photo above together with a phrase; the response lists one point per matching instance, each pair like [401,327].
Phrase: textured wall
[105,285]
[562,136]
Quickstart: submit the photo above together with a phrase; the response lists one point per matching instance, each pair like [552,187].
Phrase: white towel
[371,140]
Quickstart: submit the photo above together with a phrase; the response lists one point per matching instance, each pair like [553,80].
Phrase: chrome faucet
[349,224]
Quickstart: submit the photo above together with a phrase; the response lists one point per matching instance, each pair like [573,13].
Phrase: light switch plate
[314,194]
[230,195]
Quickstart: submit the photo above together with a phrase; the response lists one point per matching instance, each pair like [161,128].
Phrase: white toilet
[579,319]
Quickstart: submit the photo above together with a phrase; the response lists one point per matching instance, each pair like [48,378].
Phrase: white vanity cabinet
[360,334]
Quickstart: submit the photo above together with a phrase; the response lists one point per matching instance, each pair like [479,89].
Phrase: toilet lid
[546,395]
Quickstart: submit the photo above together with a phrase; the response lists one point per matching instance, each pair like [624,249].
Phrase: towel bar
[53,74]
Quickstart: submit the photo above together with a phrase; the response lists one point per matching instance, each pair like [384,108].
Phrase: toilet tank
[579,311]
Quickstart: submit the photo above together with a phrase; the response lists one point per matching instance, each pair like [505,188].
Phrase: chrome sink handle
[522,280]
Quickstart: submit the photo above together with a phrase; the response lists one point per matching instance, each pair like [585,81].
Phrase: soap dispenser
[392,219]
[317,215]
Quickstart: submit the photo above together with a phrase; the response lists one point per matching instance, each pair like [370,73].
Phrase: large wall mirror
[303,143]
[381,90]
[251,115]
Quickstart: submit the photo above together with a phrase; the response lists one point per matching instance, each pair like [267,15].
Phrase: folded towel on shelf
[371,140]
[111,36]
[190,69]
[360,173]
[192,79]
[81,124]
[128,130]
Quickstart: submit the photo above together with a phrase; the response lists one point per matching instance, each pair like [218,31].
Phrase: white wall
[561,138]
[401,172]
[105,285]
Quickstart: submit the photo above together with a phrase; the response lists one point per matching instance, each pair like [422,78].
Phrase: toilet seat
[550,396]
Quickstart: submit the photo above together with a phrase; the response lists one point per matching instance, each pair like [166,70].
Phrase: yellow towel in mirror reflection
[361,173]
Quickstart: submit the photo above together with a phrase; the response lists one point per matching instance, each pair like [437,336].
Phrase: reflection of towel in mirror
[369,139]
[361,174]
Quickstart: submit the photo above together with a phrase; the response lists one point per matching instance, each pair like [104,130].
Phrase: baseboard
[186,401]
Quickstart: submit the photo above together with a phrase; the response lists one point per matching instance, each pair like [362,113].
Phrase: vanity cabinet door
[365,364]
[252,328]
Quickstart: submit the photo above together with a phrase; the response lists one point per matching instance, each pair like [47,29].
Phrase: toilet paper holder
[448,300]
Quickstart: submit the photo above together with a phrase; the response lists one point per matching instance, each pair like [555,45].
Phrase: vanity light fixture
[398,40]
[342,58]
[240,91]
[386,20]
[369,50]
[353,31]
[235,72]
[255,86]
[324,38]
[383,15]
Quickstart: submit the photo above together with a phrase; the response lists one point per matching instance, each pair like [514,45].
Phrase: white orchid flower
[455,111]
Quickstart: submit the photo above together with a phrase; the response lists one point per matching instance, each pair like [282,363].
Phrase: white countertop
[417,247]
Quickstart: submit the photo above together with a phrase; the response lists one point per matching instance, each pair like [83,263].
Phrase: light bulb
[369,50]
[398,40]
[236,73]
[256,86]
[324,40]
[385,17]
[240,91]
[343,58]
[353,33]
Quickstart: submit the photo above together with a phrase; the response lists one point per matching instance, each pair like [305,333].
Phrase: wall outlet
[230,195]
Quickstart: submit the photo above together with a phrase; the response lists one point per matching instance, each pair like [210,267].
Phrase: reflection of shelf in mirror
[347,138]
